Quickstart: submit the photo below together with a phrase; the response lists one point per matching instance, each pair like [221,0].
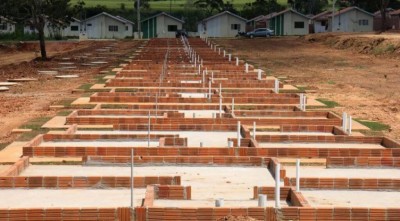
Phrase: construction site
[186,129]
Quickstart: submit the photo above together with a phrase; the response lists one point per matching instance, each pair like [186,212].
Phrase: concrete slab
[76,198]
[323,172]
[12,152]
[289,87]
[56,122]
[7,84]
[67,76]
[81,100]
[320,145]
[22,79]
[4,167]
[230,183]
[101,143]
[2,89]
[116,69]
[109,77]
[20,131]
[98,86]
[211,203]
[346,198]
[220,139]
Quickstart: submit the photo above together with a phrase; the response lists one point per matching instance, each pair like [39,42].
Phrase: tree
[308,6]
[260,7]
[210,5]
[38,14]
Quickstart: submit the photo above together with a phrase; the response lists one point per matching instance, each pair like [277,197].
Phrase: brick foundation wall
[16,168]
[361,162]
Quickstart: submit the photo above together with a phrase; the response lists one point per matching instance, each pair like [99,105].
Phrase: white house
[224,24]
[320,22]
[7,26]
[106,26]
[289,22]
[74,29]
[161,25]
[51,30]
[352,19]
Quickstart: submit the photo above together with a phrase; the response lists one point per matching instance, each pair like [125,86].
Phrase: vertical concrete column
[298,175]
[344,121]
[203,78]
[194,115]
[220,107]
[262,200]
[254,130]
[246,68]
[199,71]
[209,90]
[276,86]
[212,77]
[301,101]
[259,74]
[219,51]
[148,132]
[239,136]
[233,105]
[220,89]
[195,61]
[219,202]
[304,103]
[132,197]
[230,57]
[278,186]
[350,125]
[201,62]
[224,53]
[237,61]
[198,58]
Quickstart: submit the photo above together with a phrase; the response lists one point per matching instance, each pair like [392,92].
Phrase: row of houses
[224,24]
[100,26]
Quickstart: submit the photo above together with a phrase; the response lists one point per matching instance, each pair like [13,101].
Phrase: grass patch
[126,90]
[301,89]
[114,106]
[373,125]
[36,126]
[64,162]
[66,102]
[64,113]
[85,87]
[331,82]
[3,145]
[328,103]
[84,106]
[244,107]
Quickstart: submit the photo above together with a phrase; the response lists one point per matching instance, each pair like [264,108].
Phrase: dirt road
[365,85]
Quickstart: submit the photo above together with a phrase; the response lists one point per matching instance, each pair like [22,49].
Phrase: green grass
[85,87]
[328,103]
[373,125]
[3,145]
[36,126]
[114,106]
[331,82]
[64,113]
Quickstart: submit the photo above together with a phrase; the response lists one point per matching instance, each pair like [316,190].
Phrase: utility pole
[138,19]
[333,15]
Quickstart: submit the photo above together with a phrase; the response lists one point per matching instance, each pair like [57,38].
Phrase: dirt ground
[361,73]
[32,100]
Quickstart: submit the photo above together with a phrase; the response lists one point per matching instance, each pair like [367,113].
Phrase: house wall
[221,26]
[10,28]
[100,28]
[69,33]
[319,28]
[162,26]
[349,22]
[49,30]
[289,24]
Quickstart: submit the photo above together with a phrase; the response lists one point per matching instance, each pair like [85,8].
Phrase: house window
[126,28]
[89,25]
[298,24]
[363,22]
[32,28]
[74,28]
[172,28]
[235,27]
[3,26]
[113,28]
